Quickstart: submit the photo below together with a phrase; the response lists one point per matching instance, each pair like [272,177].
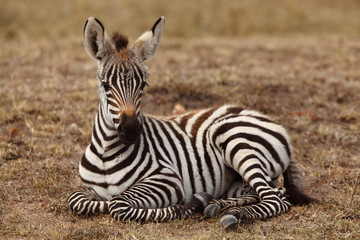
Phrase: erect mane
[120,41]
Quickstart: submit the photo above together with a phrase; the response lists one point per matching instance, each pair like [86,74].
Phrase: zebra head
[121,74]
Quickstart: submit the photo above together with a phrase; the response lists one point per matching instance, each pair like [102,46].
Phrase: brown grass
[296,62]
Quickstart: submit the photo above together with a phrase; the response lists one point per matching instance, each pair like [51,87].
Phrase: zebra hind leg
[87,202]
[263,209]
[247,196]
[217,206]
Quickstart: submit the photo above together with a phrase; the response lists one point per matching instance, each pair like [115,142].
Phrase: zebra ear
[147,44]
[96,41]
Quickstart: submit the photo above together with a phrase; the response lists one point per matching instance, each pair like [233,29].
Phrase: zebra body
[149,168]
[185,146]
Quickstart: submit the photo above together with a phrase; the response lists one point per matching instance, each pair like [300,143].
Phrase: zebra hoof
[212,210]
[229,222]
[203,200]
[282,191]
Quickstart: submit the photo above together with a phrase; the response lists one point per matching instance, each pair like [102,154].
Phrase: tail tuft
[294,188]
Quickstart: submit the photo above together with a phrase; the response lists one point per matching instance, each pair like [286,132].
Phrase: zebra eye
[106,86]
[143,84]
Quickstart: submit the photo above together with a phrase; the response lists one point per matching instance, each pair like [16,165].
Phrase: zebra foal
[223,160]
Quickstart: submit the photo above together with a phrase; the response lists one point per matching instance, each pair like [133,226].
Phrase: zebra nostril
[130,129]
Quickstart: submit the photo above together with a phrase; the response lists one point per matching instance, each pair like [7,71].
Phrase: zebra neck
[105,140]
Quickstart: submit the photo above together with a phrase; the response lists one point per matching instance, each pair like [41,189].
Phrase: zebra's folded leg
[87,202]
[242,195]
[216,206]
[122,209]
[269,207]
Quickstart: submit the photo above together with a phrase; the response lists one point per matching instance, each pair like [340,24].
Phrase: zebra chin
[129,130]
[130,137]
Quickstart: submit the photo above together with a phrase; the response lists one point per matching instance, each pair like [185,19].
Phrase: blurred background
[21,19]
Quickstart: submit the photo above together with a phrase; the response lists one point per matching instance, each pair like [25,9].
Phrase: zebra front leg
[122,209]
[87,202]
[157,198]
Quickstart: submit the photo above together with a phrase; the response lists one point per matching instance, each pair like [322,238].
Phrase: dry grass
[296,62]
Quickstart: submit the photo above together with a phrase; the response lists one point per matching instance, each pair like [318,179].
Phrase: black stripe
[114,145]
[234,110]
[103,185]
[147,196]
[228,126]
[103,119]
[195,128]
[114,112]
[90,167]
[184,119]
[139,191]
[276,204]
[86,23]
[179,195]
[126,162]
[258,183]
[109,72]
[96,137]
[161,142]
[219,165]
[98,21]
[260,140]
[153,28]
[153,188]
[129,174]
[116,154]
[254,166]
[241,146]
[103,134]
[187,156]
[264,212]
[250,156]
[147,168]
[172,145]
[263,119]
[151,138]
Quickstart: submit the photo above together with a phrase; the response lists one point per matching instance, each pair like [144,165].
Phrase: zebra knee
[279,203]
[85,203]
[286,205]
[118,208]
[76,203]
[281,191]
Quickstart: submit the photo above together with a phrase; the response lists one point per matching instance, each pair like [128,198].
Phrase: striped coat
[147,168]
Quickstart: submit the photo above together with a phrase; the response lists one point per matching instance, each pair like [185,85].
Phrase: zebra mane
[120,41]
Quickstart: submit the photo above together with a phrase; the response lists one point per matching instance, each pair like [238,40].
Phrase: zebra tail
[294,187]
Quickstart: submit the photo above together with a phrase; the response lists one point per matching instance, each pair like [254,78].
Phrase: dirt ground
[308,82]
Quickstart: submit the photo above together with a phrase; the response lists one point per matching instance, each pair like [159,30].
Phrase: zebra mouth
[130,137]
[129,130]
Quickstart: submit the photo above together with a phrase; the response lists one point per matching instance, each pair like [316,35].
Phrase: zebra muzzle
[129,129]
